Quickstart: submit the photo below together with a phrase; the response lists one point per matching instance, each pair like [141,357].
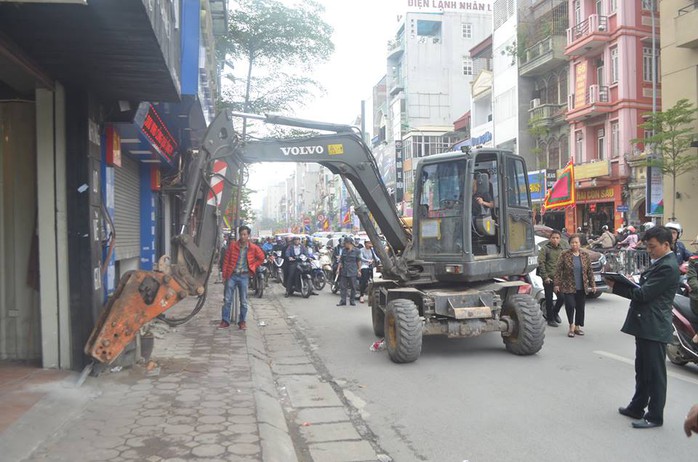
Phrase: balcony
[547,115]
[685,26]
[543,57]
[396,48]
[588,36]
[595,102]
[396,86]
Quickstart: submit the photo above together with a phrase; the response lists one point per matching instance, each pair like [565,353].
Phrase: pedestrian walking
[573,279]
[547,266]
[241,260]
[348,268]
[649,321]
[369,260]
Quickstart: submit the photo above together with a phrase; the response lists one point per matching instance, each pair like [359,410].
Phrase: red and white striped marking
[214,195]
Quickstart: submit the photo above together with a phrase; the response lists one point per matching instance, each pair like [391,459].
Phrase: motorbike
[277,270]
[682,350]
[258,282]
[318,275]
[304,281]
[334,278]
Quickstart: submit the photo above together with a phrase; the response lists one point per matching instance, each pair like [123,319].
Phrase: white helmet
[648,225]
[676,226]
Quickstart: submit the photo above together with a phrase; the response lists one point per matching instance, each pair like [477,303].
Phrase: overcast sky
[362,29]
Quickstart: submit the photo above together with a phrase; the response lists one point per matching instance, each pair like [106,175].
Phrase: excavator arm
[210,179]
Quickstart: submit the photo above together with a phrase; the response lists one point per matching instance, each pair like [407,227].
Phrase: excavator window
[441,198]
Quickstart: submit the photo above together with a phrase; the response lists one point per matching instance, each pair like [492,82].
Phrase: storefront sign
[655,192]
[113,147]
[580,84]
[445,5]
[155,179]
[550,178]
[399,177]
[600,194]
[158,135]
[592,169]
[536,184]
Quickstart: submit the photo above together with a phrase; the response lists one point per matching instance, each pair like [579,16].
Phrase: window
[428,28]
[601,144]
[647,64]
[612,6]
[577,12]
[579,142]
[614,65]
[648,5]
[599,8]
[615,140]
[467,66]
[517,190]
[467,30]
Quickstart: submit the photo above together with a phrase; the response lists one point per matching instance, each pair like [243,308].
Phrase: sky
[362,29]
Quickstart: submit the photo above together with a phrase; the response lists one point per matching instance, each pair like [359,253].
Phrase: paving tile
[309,391]
[343,451]
[318,433]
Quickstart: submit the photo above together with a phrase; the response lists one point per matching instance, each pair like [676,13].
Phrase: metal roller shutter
[127,209]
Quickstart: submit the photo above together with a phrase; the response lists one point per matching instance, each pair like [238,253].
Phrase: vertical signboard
[580,84]
[399,175]
[654,194]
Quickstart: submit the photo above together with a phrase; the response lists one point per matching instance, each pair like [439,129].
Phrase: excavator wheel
[529,325]
[403,331]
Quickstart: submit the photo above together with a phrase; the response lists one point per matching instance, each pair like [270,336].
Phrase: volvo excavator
[455,272]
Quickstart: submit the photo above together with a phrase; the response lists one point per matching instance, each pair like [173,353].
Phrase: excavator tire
[403,331]
[378,318]
[529,325]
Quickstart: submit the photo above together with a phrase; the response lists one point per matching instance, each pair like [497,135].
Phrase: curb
[277,445]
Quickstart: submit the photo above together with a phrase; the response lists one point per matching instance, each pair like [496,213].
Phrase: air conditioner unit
[535,102]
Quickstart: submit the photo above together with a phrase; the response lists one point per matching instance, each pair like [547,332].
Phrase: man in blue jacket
[649,321]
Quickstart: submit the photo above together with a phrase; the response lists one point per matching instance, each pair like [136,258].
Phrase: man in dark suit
[649,321]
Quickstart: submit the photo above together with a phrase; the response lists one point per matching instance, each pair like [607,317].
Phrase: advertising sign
[536,183]
[399,177]
[580,84]
[655,192]
[435,6]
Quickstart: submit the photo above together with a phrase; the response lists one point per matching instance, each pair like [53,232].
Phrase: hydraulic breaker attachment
[140,297]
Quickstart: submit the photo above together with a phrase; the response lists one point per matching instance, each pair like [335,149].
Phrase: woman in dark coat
[573,279]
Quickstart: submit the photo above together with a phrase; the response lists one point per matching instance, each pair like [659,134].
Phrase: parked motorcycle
[318,275]
[682,350]
[278,271]
[304,281]
[257,282]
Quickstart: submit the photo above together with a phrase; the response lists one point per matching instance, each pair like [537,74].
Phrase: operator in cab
[481,199]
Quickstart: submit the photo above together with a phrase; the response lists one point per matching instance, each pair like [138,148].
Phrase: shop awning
[119,49]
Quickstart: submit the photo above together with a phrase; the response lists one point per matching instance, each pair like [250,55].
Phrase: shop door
[127,209]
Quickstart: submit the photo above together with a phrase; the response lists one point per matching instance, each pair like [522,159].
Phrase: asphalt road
[470,400]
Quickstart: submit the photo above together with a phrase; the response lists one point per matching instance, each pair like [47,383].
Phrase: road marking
[631,362]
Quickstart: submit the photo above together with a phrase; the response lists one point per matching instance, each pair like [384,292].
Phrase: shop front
[597,207]
[554,218]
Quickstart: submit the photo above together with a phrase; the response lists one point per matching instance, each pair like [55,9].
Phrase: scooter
[318,275]
[278,271]
[258,282]
[304,280]
[682,350]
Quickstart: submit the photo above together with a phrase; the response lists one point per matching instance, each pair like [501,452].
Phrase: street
[471,400]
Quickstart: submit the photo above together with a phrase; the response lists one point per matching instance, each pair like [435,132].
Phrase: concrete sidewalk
[208,402]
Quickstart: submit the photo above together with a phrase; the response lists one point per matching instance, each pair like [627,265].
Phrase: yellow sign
[407,165]
[592,169]
[594,194]
[580,85]
[334,149]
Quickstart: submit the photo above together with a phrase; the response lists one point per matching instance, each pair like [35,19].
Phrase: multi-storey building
[481,95]
[610,47]
[679,71]
[543,71]
[429,71]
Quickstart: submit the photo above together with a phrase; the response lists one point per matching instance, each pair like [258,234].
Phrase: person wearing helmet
[630,242]
[606,241]
[692,281]
[680,250]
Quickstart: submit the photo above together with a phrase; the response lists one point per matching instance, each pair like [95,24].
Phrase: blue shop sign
[536,184]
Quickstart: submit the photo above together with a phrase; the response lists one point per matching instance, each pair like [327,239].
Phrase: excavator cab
[476,209]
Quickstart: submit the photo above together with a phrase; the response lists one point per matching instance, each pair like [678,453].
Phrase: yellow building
[679,70]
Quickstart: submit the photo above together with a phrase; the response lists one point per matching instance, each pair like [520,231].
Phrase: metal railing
[626,261]
[594,23]
[546,111]
[688,9]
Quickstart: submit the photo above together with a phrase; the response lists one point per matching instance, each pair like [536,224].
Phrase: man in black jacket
[649,321]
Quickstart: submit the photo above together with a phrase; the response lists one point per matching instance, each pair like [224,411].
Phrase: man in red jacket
[242,258]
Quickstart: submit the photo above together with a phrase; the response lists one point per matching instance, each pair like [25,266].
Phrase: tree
[672,132]
[246,215]
[268,34]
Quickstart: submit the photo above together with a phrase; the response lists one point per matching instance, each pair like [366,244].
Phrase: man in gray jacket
[649,321]
[349,271]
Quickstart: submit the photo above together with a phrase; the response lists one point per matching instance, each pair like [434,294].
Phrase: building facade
[679,71]
[86,138]
[612,84]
